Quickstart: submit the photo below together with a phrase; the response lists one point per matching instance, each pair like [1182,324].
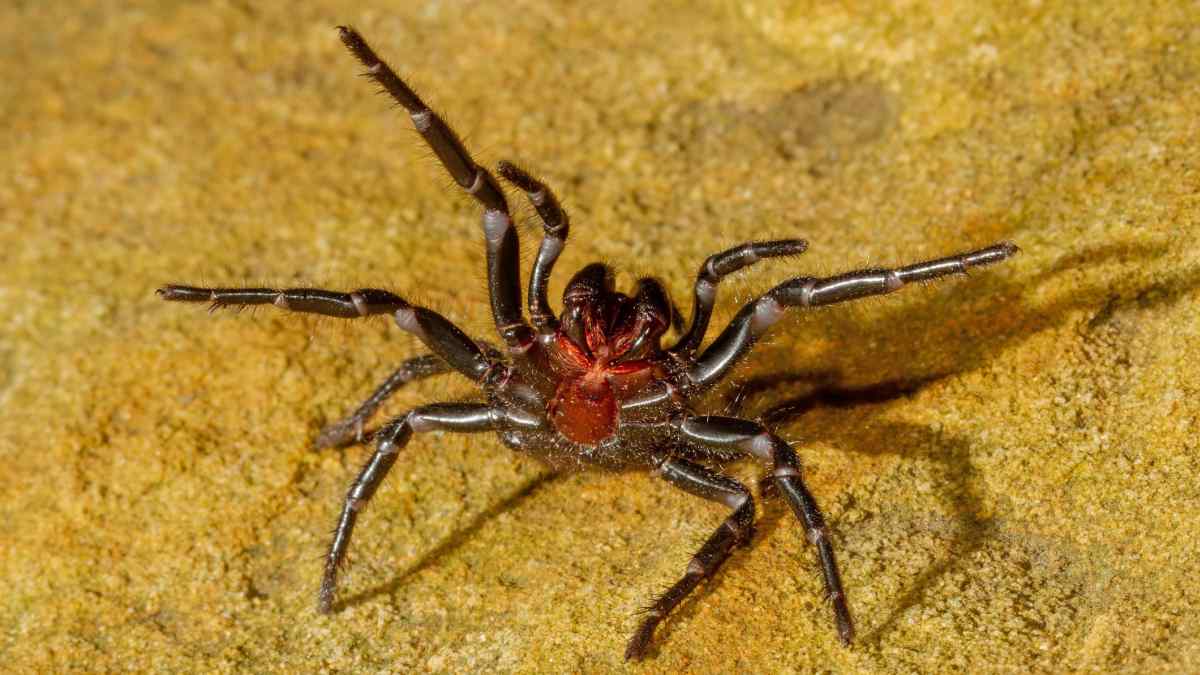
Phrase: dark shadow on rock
[952,454]
[827,119]
[957,487]
[824,391]
[451,543]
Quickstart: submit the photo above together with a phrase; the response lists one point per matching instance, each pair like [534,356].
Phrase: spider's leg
[752,437]
[756,317]
[503,254]
[555,226]
[717,267]
[352,305]
[350,429]
[437,332]
[460,417]
[735,531]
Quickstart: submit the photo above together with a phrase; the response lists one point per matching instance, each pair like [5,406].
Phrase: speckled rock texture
[1008,462]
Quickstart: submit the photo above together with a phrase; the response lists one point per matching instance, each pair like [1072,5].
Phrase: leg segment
[555,227]
[439,335]
[503,255]
[719,266]
[441,139]
[460,417]
[363,302]
[733,432]
[735,531]
[350,429]
[756,317]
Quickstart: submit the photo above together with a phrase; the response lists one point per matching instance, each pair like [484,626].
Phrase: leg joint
[785,471]
[360,305]
[762,445]
[420,423]
[767,312]
[422,120]
[386,446]
[737,498]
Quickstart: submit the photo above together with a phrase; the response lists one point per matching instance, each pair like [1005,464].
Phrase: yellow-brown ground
[1031,503]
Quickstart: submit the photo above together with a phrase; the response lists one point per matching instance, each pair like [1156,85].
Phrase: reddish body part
[618,358]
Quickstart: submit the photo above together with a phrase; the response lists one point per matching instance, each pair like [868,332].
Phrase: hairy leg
[350,430]
[756,317]
[735,531]
[752,437]
[391,439]
[352,305]
[437,332]
[717,267]
[503,254]
[555,226]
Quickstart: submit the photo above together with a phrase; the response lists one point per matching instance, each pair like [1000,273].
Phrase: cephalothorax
[593,386]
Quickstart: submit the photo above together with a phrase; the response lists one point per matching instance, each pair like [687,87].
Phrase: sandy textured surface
[1008,461]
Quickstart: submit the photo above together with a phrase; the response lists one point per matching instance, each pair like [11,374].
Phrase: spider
[592,386]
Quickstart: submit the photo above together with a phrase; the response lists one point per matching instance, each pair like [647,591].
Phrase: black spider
[593,386]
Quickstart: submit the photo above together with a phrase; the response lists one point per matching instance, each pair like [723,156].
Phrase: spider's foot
[639,644]
[177,293]
[340,434]
[327,596]
[845,631]
[845,625]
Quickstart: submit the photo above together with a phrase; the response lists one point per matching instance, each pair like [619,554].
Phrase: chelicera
[593,386]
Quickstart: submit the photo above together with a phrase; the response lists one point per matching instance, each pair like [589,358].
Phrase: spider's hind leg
[350,430]
[503,246]
[735,531]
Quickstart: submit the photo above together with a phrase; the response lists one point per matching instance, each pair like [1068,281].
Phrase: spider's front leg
[353,305]
[392,437]
[752,437]
[555,227]
[716,268]
[756,317]
[503,254]
[437,332]
[735,531]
